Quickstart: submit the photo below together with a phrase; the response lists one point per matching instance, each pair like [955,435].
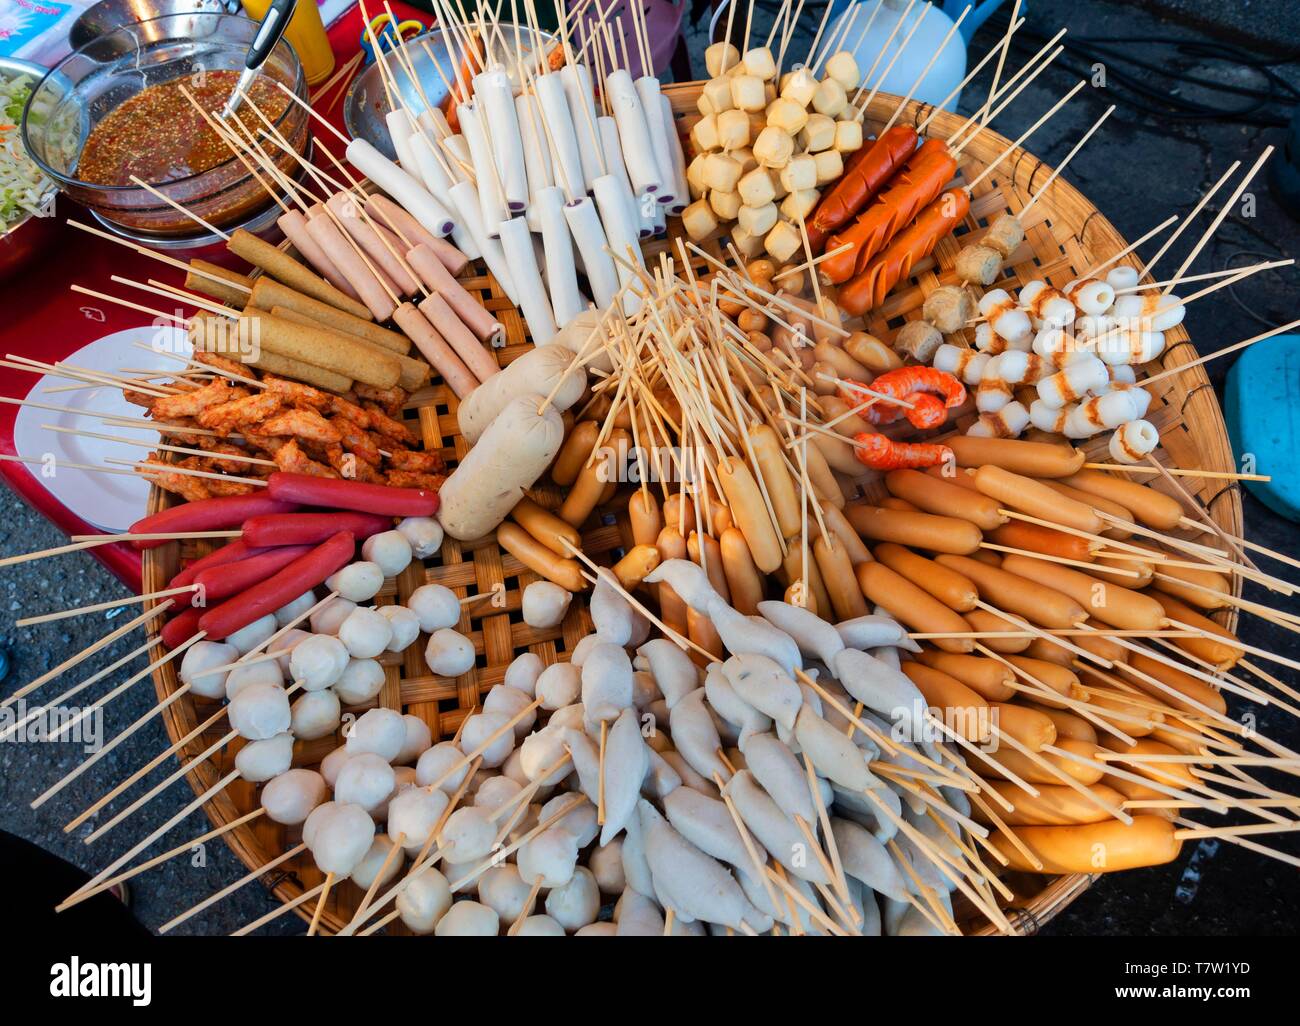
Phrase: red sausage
[208,515]
[341,493]
[309,528]
[232,553]
[220,582]
[179,629]
[303,574]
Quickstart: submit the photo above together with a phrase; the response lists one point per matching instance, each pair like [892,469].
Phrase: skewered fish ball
[449,653]
[948,308]
[259,761]
[283,646]
[540,926]
[290,797]
[467,835]
[360,681]
[315,714]
[575,904]
[544,604]
[415,812]
[266,672]
[417,741]
[332,764]
[207,655]
[978,265]
[389,550]
[367,780]
[375,860]
[481,726]
[330,616]
[405,626]
[523,672]
[248,638]
[292,610]
[317,662]
[366,632]
[509,702]
[1004,235]
[379,731]
[468,919]
[424,535]
[341,839]
[423,901]
[437,607]
[259,712]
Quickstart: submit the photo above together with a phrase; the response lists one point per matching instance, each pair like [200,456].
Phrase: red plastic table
[45,320]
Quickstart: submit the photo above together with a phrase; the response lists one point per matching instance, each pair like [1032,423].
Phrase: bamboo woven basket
[1064,234]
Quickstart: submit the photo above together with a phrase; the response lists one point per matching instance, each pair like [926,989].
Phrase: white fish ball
[542,750]
[283,646]
[559,685]
[248,638]
[544,604]
[575,904]
[414,813]
[259,761]
[366,633]
[290,797]
[551,857]
[389,550]
[360,681]
[584,646]
[598,930]
[259,712]
[436,606]
[468,919]
[512,769]
[468,834]
[418,738]
[366,780]
[456,872]
[318,815]
[333,763]
[571,715]
[495,792]
[266,672]
[503,890]
[206,655]
[511,702]
[449,653]
[424,535]
[357,582]
[482,726]
[317,662]
[290,611]
[367,870]
[329,617]
[380,731]
[343,839]
[437,761]
[522,674]
[606,865]
[579,821]
[423,901]
[405,625]
[315,714]
[539,926]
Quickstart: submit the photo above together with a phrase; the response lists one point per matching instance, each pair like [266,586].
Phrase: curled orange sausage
[1106,847]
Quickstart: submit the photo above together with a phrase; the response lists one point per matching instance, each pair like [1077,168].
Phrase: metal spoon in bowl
[274,22]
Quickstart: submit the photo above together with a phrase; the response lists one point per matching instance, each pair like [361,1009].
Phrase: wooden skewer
[1137,468]
[186,450]
[320,905]
[29,621]
[1096,269]
[176,206]
[288,906]
[146,468]
[212,899]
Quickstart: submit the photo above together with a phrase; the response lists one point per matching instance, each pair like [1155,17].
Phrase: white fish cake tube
[589,236]
[487,181]
[1049,418]
[567,300]
[1132,442]
[576,79]
[533,301]
[553,106]
[501,124]
[466,199]
[633,133]
[648,89]
[622,229]
[1008,422]
[681,191]
[401,186]
[1091,296]
[1078,379]
[537,155]
[400,128]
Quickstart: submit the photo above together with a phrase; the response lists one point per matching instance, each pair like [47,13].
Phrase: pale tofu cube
[721,172]
[830,165]
[773,147]
[718,57]
[747,93]
[798,205]
[843,67]
[733,129]
[760,63]
[725,204]
[800,86]
[698,220]
[818,134]
[848,135]
[785,114]
[783,241]
[704,134]
[755,187]
[718,92]
[829,98]
[757,220]
[800,173]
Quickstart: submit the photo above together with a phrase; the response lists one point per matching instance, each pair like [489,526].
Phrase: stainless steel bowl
[366,103]
[23,241]
[108,15]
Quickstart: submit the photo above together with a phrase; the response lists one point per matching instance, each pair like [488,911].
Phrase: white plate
[112,502]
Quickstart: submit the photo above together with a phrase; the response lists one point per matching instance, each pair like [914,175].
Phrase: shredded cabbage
[23,189]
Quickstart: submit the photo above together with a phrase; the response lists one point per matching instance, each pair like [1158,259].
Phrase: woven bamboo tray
[1064,234]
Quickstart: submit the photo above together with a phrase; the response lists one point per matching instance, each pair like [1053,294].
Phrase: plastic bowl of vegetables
[27,223]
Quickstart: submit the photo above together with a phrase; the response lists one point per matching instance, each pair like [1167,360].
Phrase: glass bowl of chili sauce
[126,106]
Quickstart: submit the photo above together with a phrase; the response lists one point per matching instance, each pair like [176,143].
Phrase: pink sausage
[294,226]
[473,314]
[385,211]
[441,356]
[388,262]
[467,347]
[349,261]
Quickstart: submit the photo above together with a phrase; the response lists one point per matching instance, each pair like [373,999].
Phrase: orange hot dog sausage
[990,623]
[1153,508]
[962,709]
[987,677]
[1117,607]
[1139,574]
[999,587]
[1105,847]
[1182,683]
[791,573]
[1033,459]
[912,607]
[1096,502]
[743,579]
[594,479]
[953,589]
[1035,498]
[546,527]
[1068,726]
[768,452]
[823,480]
[1056,805]
[672,609]
[1060,679]
[567,573]
[1171,774]
[644,517]
[1215,652]
[838,576]
[893,502]
[839,526]
[632,568]
[943,498]
[921,530]
[1051,652]
[1021,535]
[1032,771]
[834,408]
[749,513]
[1202,589]
[574,453]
